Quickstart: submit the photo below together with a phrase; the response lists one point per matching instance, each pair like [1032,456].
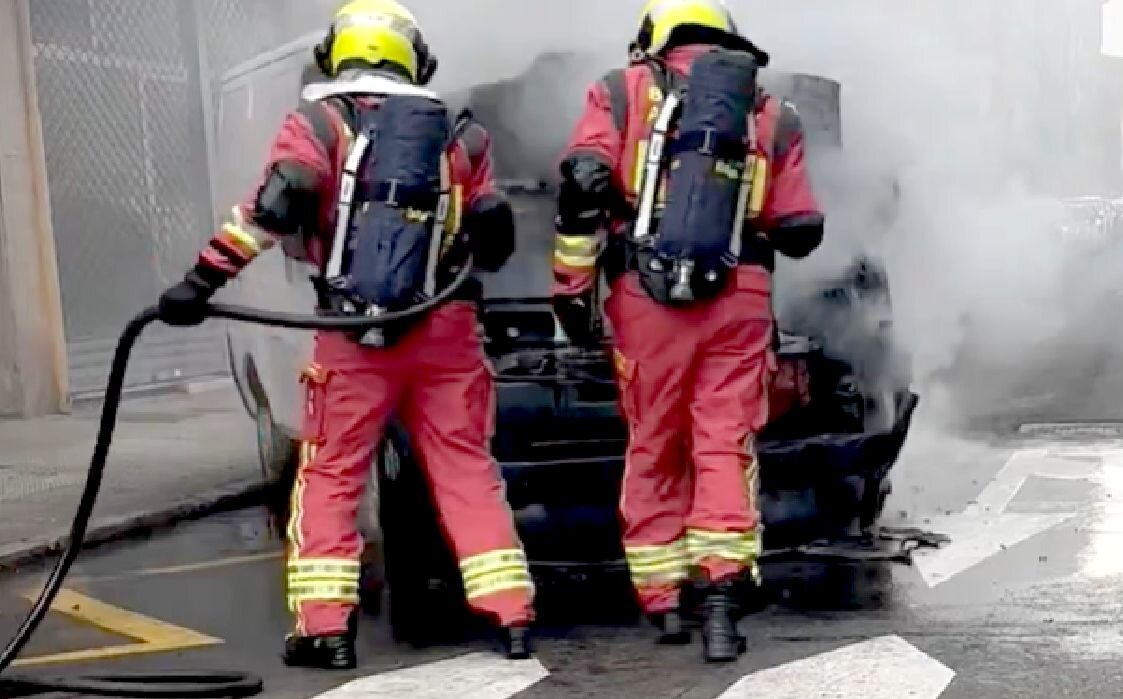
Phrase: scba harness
[700,184]
[398,212]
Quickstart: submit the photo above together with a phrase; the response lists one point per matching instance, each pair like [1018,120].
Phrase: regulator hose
[177,684]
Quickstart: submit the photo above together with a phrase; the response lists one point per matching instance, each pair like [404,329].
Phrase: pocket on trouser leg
[313,420]
[312,430]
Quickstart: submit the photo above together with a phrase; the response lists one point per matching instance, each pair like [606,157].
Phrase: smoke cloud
[964,129]
[965,125]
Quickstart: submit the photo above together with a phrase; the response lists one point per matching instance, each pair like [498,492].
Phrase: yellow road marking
[149,635]
[187,568]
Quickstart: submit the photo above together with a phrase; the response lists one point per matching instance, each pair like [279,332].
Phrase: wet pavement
[1028,605]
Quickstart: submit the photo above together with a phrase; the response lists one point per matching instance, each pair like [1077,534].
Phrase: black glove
[575,313]
[491,232]
[583,195]
[185,304]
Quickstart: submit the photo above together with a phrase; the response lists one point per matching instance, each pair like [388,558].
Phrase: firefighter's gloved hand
[575,313]
[185,304]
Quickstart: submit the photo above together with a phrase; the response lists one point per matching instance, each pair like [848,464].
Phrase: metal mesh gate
[120,95]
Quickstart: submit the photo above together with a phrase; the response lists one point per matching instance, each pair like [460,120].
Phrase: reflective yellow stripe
[760,182]
[484,563]
[660,563]
[296,502]
[576,261]
[659,552]
[323,565]
[498,582]
[245,242]
[640,168]
[580,245]
[741,547]
[495,571]
[658,569]
[454,218]
[322,592]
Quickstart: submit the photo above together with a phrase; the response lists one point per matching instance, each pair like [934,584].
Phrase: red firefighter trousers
[693,386]
[440,385]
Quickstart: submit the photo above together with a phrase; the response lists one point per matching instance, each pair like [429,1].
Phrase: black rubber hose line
[175,684]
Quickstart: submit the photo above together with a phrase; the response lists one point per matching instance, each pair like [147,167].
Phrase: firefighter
[385,232]
[682,179]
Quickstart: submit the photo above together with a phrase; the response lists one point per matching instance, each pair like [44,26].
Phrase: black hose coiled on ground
[176,684]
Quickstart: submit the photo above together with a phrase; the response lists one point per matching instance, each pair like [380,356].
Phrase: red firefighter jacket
[616,134]
[316,137]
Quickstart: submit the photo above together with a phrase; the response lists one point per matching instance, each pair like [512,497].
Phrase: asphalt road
[1025,602]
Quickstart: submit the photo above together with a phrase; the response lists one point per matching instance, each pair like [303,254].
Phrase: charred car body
[841,402]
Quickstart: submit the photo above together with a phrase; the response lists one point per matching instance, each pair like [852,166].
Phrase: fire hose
[200,684]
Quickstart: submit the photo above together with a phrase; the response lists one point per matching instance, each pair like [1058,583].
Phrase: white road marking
[472,676]
[985,528]
[882,668]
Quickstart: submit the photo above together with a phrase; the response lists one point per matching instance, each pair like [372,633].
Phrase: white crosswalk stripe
[881,668]
[472,676]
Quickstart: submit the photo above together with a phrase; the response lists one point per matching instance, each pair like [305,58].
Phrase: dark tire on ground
[278,457]
[426,596]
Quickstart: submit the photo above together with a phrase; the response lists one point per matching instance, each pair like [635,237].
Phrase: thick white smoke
[964,124]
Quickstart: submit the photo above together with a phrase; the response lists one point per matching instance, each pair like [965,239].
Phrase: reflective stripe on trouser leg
[450,414]
[740,547]
[658,565]
[494,572]
[314,580]
[328,580]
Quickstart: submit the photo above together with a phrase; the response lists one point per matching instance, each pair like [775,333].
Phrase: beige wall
[33,364]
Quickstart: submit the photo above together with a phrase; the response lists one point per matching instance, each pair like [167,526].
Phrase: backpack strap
[653,169]
[346,197]
[437,237]
[616,84]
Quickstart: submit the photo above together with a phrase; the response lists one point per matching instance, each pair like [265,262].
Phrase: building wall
[32,355]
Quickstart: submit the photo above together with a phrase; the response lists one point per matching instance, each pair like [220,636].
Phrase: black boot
[721,641]
[516,642]
[336,652]
[671,631]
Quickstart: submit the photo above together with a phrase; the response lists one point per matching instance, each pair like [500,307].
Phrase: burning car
[841,401]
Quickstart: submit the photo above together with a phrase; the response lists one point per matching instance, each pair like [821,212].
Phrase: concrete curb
[112,528]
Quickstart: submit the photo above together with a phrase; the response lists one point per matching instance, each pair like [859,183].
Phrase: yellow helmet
[661,18]
[376,33]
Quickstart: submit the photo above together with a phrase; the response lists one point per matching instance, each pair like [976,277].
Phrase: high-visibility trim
[577,244]
[759,186]
[740,547]
[657,564]
[517,579]
[329,593]
[303,570]
[296,502]
[323,565]
[492,560]
[495,571]
[657,552]
[581,262]
[245,242]
[640,167]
